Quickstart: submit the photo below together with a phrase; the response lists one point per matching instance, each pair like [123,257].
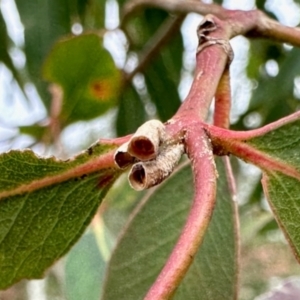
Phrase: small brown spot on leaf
[101,89]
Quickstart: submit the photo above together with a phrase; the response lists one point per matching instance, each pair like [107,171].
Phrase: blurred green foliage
[92,84]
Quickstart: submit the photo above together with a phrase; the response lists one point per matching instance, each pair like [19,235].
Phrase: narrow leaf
[131,113]
[44,23]
[5,45]
[149,237]
[86,265]
[45,205]
[162,77]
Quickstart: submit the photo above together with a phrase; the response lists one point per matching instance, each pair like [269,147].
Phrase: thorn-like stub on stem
[208,25]
[144,175]
[145,143]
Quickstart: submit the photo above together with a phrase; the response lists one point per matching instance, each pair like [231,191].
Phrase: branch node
[207,26]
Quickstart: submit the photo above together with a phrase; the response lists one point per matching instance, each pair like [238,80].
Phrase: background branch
[157,41]
[253,23]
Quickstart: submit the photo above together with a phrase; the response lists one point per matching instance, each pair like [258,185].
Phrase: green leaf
[44,23]
[282,143]
[45,205]
[87,75]
[92,13]
[260,52]
[275,149]
[163,72]
[152,232]
[4,51]
[131,113]
[274,96]
[162,77]
[84,265]
[37,131]
[283,193]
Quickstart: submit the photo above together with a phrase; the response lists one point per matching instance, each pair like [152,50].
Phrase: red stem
[226,134]
[223,101]
[231,142]
[210,64]
[182,256]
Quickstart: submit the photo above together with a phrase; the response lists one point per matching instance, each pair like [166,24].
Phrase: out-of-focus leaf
[260,52]
[35,130]
[45,205]
[4,51]
[141,27]
[274,98]
[131,112]
[93,13]
[163,76]
[149,237]
[288,289]
[218,1]
[269,225]
[84,270]
[260,4]
[44,22]
[163,72]
[119,204]
[87,75]
[54,288]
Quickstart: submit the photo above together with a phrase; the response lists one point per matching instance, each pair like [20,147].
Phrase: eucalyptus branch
[211,60]
[176,6]
[253,23]
[182,256]
[188,128]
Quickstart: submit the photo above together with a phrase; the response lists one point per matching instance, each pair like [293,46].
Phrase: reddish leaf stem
[211,60]
[225,134]
[223,101]
[162,36]
[199,151]
[231,142]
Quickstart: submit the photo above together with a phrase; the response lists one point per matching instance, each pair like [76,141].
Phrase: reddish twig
[212,57]
[223,101]
[210,65]
[154,45]
[253,23]
[199,151]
